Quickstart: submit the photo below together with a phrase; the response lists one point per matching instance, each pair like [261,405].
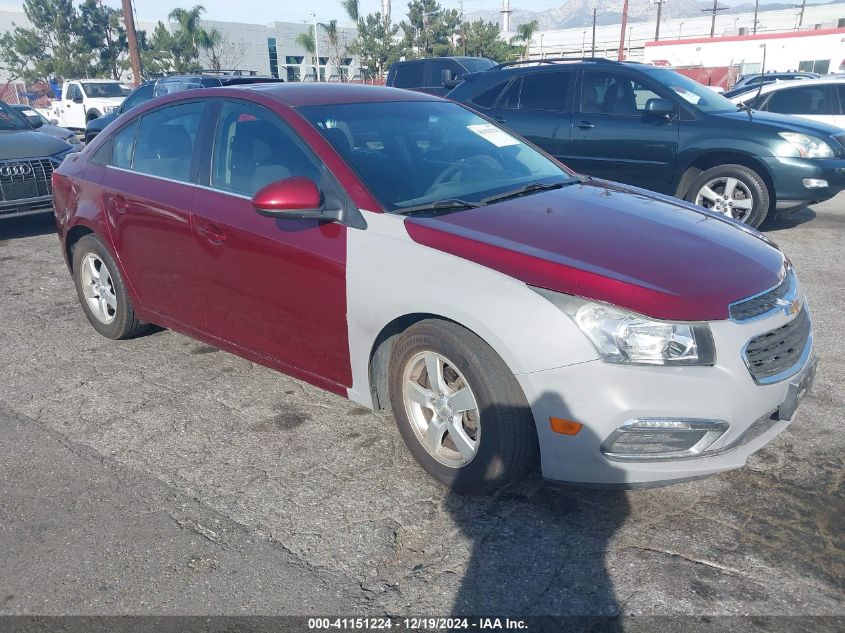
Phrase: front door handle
[212,234]
[500,119]
[584,125]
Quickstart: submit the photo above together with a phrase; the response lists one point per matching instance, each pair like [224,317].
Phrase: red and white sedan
[403,251]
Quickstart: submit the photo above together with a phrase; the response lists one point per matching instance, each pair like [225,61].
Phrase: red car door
[274,287]
[148,201]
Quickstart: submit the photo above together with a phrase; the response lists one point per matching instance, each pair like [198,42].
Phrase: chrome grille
[776,351]
[765,302]
[26,178]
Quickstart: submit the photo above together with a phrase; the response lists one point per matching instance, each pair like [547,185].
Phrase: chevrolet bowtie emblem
[790,307]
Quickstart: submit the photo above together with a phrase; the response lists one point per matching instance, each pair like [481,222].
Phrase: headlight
[73,139]
[620,336]
[807,146]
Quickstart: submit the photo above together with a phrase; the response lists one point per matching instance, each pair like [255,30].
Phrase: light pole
[542,55]
[680,27]
[316,44]
[583,42]
[630,29]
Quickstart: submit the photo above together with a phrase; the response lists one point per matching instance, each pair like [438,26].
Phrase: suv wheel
[732,190]
[460,411]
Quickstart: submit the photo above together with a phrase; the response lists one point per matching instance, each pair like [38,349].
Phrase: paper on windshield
[492,134]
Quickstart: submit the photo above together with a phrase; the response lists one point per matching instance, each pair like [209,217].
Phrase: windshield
[11,120]
[410,153]
[105,89]
[692,92]
[33,115]
[475,64]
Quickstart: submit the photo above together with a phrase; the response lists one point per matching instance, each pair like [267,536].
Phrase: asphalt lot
[161,476]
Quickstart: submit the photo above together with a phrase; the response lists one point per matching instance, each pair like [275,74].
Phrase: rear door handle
[584,125]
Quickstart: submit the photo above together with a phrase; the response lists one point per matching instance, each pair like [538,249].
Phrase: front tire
[732,190]
[102,292]
[91,115]
[460,410]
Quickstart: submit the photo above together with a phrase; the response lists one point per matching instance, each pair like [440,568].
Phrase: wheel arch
[74,234]
[712,158]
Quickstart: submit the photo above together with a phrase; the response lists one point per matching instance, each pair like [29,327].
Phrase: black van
[654,128]
[436,75]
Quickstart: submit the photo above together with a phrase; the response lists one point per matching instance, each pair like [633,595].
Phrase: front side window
[123,142]
[11,120]
[803,100]
[141,94]
[73,92]
[253,148]
[609,93]
[164,146]
[410,153]
[488,97]
[436,71]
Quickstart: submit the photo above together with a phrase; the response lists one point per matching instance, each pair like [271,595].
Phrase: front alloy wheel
[728,196]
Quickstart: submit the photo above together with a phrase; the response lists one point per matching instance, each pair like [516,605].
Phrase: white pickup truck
[86,99]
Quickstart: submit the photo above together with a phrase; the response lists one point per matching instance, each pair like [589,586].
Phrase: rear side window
[510,98]
[803,100]
[122,144]
[164,145]
[409,75]
[545,91]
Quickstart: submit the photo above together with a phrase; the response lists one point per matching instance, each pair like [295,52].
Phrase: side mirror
[448,78]
[36,123]
[54,121]
[295,198]
[659,108]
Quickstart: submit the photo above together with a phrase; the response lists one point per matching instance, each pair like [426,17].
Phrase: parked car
[86,99]
[755,79]
[821,100]
[654,128]
[435,75]
[168,85]
[402,251]
[27,161]
[38,121]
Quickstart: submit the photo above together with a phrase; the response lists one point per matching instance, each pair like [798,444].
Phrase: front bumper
[28,206]
[789,176]
[604,396]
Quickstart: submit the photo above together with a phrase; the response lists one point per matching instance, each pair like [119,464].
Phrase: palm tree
[189,37]
[524,35]
[308,41]
[352,9]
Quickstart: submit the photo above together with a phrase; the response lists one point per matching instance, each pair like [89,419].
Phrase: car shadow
[27,226]
[539,549]
[788,221]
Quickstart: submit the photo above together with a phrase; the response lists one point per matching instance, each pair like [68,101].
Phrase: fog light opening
[662,438]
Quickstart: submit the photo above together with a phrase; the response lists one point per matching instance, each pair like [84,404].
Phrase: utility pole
[620,53]
[132,41]
[659,4]
[716,8]
[754,26]
[801,15]
[595,11]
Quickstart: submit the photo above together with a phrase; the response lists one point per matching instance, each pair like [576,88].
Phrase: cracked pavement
[161,476]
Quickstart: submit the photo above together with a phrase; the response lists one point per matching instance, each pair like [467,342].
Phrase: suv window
[165,143]
[609,93]
[487,98]
[141,94]
[803,100]
[409,75]
[253,148]
[122,145]
[510,98]
[545,91]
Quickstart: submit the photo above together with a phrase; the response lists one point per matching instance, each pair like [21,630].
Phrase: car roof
[297,94]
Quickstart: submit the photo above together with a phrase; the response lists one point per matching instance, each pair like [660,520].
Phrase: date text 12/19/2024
[415,624]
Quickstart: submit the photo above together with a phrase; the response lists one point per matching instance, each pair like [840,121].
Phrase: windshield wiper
[440,205]
[525,190]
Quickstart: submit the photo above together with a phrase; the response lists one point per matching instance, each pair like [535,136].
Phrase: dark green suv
[653,128]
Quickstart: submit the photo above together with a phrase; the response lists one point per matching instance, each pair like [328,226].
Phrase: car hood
[621,245]
[784,122]
[55,130]
[29,144]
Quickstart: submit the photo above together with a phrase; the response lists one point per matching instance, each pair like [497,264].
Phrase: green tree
[102,35]
[376,45]
[430,29]
[189,38]
[482,39]
[156,51]
[524,35]
[338,46]
[51,48]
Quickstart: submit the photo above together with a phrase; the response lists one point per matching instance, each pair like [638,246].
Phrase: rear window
[409,75]
[803,100]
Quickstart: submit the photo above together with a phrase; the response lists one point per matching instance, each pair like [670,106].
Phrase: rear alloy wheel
[460,410]
[734,191]
[101,291]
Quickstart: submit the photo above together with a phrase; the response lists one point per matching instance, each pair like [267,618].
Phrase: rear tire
[732,190]
[482,406]
[102,292]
